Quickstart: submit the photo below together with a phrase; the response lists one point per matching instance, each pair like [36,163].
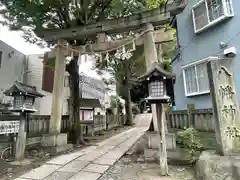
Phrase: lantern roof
[20,88]
[155,68]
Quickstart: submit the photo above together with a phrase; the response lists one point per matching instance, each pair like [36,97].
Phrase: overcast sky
[14,39]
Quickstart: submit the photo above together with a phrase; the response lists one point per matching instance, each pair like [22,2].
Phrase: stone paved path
[91,162]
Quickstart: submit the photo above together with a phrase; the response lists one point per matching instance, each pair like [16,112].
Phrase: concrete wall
[11,68]
[195,47]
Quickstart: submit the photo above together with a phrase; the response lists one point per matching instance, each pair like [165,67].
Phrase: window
[209,12]
[195,78]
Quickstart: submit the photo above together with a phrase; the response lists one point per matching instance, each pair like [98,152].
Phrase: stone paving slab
[59,175]
[78,153]
[41,172]
[113,155]
[108,147]
[89,157]
[114,138]
[89,163]
[97,168]
[74,166]
[105,161]
[86,176]
[88,149]
[63,159]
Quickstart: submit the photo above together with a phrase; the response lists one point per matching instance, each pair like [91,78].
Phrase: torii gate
[144,20]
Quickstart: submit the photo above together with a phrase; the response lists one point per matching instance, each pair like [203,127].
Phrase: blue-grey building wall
[194,47]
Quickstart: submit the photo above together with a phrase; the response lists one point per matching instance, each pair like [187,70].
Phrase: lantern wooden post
[21,138]
[157,79]
[160,111]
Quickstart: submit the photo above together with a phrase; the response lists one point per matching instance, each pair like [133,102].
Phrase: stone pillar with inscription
[225,105]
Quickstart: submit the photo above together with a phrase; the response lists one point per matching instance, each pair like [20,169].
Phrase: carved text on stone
[228,111]
[226,92]
[232,132]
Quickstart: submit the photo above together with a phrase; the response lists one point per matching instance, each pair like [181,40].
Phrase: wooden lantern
[23,97]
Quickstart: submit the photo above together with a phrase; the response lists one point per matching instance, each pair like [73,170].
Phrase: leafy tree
[115,102]
[39,15]
[154,3]
[125,72]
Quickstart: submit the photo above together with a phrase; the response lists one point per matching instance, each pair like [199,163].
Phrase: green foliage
[115,102]
[167,65]
[52,14]
[190,140]
[154,3]
[124,72]
[36,16]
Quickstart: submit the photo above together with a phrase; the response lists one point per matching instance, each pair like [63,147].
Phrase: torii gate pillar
[55,140]
[56,113]
[150,53]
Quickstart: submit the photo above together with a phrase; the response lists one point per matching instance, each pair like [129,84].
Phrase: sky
[14,39]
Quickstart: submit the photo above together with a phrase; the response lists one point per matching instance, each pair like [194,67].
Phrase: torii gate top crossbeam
[156,17]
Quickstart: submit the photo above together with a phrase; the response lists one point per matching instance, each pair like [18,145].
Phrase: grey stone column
[150,53]
[150,50]
[56,113]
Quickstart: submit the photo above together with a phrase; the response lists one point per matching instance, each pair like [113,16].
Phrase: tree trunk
[72,68]
[128,108]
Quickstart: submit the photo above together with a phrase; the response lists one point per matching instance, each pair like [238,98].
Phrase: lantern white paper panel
[156,88]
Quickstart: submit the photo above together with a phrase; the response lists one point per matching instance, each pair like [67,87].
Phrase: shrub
[190,140]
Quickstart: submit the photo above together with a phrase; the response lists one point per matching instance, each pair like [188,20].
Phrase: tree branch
[101,14]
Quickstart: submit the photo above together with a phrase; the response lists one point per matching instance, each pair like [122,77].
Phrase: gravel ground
[126,169]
